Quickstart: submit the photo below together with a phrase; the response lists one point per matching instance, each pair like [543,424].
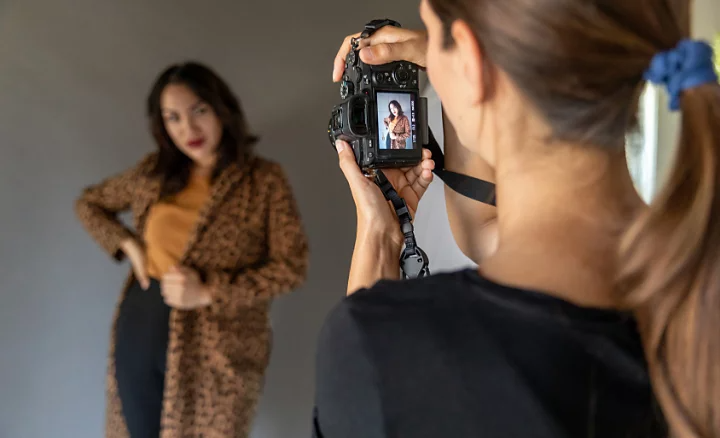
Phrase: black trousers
[141,339]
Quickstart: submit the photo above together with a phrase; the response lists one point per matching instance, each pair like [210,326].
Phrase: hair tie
[688,65]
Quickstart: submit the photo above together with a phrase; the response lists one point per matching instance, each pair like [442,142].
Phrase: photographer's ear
[468,60]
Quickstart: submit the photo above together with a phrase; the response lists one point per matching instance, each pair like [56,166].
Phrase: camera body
[381,114]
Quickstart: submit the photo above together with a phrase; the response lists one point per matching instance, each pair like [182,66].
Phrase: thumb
[390,52]
[348,165]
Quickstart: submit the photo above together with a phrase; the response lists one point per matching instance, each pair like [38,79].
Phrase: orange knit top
[170,223]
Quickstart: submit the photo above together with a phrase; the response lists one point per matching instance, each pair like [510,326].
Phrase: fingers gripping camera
[381,114]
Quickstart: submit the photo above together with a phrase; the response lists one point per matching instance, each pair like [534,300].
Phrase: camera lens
[402,76]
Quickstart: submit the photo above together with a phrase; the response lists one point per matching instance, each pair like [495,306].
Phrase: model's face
[191,123]
[394,110]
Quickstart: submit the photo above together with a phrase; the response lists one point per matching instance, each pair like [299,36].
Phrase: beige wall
[706,23]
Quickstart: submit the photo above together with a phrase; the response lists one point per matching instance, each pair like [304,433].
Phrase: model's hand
[393,136]
[134,252]
[386,45]
[182,289]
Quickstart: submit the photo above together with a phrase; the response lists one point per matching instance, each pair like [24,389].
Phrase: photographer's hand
[386,45]
[379,240]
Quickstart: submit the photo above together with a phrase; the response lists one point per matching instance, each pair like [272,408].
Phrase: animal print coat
[249,246]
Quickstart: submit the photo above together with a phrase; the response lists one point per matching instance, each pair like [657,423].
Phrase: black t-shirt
[456,356]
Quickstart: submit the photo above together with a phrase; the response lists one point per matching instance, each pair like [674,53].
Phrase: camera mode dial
[347,88]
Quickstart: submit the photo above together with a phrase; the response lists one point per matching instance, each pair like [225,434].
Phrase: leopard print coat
[249,246]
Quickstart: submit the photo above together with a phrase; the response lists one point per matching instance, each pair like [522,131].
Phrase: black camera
[381,115]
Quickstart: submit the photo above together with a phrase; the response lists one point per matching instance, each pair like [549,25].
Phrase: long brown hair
[581,64]
[236,143]
[399,108]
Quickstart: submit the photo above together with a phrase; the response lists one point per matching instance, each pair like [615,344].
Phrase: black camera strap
[371,28]
[468,186]
[413,260]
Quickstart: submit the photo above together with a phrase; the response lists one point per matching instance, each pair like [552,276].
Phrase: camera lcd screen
[396,112]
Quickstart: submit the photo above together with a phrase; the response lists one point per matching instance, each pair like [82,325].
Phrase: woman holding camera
[398,127]
[588,308]
[217,236]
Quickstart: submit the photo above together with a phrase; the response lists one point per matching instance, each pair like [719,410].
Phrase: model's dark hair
[398,106]
[580,64]
[236,143]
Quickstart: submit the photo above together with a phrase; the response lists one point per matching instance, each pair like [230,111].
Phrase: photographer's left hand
[182,289]
[379,239]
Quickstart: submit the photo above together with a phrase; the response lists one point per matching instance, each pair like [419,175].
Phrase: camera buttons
[346,89]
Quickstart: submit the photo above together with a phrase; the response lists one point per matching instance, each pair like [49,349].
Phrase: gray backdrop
[73,79]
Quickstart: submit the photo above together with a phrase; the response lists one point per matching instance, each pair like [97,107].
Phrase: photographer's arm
[376,257]
[286,265]
[378,240]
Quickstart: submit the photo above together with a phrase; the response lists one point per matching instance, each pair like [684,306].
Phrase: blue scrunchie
[689,65]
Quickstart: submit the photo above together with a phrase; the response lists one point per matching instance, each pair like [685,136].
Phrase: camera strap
[414,262]
[371,28]
[468,186]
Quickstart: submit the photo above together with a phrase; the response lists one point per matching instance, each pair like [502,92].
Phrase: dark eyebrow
[198,103]
[193,106]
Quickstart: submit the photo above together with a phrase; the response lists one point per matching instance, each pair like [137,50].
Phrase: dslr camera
[381,115]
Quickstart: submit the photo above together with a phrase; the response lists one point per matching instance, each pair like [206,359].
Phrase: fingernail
[340,146]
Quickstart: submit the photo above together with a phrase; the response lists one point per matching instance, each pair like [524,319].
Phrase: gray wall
[73,78]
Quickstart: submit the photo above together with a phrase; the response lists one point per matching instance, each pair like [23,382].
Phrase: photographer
[585,299]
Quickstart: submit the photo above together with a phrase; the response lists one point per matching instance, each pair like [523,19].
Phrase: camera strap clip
[371,28]
[414,262]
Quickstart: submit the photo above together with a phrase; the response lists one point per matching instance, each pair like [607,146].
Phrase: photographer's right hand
[386,45]
[136,255]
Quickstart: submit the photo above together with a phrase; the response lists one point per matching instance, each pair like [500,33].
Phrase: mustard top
[169,224]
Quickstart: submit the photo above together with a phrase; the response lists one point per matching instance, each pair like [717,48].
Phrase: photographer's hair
[173,167]
[397,105]
[581,64]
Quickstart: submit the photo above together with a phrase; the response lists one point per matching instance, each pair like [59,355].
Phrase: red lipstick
[196,143]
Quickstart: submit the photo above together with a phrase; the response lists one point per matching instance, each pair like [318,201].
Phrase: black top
[456,355]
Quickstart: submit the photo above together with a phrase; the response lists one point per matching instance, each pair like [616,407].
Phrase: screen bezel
[409,153]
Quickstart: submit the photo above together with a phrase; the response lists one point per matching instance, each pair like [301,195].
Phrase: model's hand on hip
[182,289]
[136,255]
[386,45]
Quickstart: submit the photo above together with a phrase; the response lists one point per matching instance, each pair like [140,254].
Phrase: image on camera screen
[396,120]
